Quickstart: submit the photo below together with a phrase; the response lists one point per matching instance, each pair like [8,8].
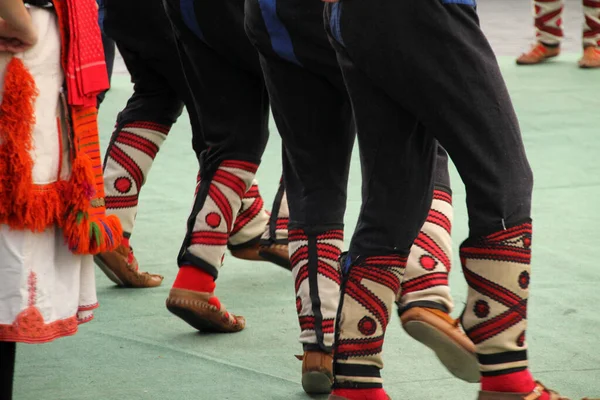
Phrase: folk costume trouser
[313,115]
[109,48]
[314,118]
[404,100]
[148,47]
[229,93]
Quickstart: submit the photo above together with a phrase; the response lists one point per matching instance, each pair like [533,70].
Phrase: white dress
[45,290]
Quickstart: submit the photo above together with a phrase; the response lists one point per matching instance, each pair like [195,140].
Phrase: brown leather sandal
[277,254]
[194,308]
[260,251]
[442,334]
[116,267]
[250,252]
[591,58]
[538,54]
[317,372]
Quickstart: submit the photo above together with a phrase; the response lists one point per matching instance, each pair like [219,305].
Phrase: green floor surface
[136,350]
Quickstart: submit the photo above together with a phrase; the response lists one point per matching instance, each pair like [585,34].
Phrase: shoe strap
[539,50]
[539,390]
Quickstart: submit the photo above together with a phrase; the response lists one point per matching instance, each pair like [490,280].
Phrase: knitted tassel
[76,206]
[23,205]
[88,230]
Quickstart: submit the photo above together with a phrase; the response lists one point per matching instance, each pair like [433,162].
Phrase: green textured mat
[136,350]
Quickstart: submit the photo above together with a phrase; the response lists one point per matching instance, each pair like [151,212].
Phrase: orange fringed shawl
[77,205]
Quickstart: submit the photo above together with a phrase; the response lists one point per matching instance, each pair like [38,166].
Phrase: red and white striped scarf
[83,54]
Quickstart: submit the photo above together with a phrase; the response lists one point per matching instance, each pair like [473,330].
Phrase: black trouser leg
[315,122]
[156,103]
[109,54]
[310,106]
[109,49]
[398,161]
[317,143]
[228,91]
[316,159]
[154,97]
[441,173]
[224,76]
[144,38]
[279,219]
[109,57]
[455,89]
[7,369]
[314,118]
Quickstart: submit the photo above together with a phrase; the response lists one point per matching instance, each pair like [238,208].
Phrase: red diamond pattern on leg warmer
[591,27]
[367,296]
[215,219]
[129,158]
[548,21]
[315,268]
[497,269]
[429,262]
[251,219]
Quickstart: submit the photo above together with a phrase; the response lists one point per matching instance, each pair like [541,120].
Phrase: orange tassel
[81,188]
[77,206]
[44,207]
[16,124]
[23,205]
[107,234]
[88,230]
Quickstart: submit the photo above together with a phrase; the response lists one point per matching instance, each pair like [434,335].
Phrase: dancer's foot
[442,334]
[538,393]
[539,53]
[276,253]
[249,252]
[256,251]
[192,299]
[121,267]
[317,372]
[591,58]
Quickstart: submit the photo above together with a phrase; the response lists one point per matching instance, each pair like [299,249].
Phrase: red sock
[197,280]
[517,382]
[361,394]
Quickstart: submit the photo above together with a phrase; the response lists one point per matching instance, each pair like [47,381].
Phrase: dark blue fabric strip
[472,3]
[280,37]
[334,22]
[188,14]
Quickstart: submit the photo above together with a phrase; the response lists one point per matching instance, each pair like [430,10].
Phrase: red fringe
[18,118]
[21,206]
[44,207]
[87,234]
[89,230]
[76,206]
[81,190]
